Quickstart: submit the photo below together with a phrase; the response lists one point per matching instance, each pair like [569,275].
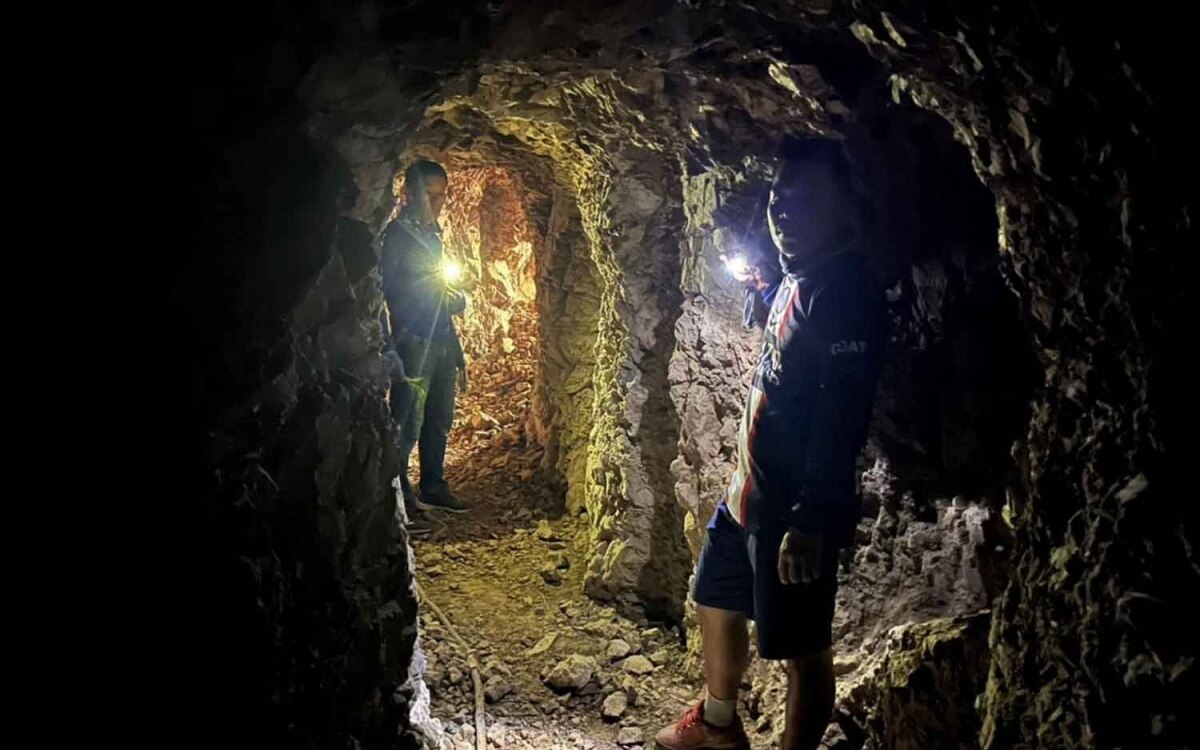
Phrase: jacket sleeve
[850,328]
[756,306]
[749,319]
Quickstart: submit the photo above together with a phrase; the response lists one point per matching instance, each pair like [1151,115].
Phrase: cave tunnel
[1016,578]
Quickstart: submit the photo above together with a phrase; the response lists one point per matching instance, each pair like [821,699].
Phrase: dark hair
[420,170]
[826,151]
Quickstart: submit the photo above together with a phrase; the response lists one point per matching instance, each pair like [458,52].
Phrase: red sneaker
[691,732]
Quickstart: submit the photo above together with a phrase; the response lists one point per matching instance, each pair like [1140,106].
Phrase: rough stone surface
[921,686]
[1083,527]
[496,688]
[617,649]
[614,706]
[638,665]
[572,673]
[544,532]
[307,579]
[957,554]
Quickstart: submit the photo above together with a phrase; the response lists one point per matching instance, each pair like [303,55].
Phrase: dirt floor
[560,670]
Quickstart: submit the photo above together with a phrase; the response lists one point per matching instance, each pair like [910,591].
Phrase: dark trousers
[737,572]
[423,406]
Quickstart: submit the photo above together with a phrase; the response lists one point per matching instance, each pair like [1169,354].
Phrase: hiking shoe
[407,514]
[417,525]
[403,490]
[413,521]
[447,501]
[691,732]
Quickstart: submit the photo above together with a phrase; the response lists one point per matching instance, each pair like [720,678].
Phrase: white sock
[719,713]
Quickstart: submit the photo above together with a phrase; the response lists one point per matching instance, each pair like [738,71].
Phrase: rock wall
[305,466]
[300,624]
[711,364]
[568,305]
[307,578]
[1071,138]
[639,555]
[918,690]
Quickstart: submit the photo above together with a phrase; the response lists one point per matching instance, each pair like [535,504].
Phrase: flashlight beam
[738,267]
[451,271]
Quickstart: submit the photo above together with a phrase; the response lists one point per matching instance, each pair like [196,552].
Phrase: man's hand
[760,283]
[800,557]
[750,278]
[456,301]
[754,279]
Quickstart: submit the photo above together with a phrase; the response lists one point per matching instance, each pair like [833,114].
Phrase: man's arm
[759,296]
[851,330]
[851,335]
[391,268]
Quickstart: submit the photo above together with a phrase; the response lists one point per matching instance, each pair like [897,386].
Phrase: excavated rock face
[312,612]
[1068,643]
[488,232]
[636,140]
[919,688]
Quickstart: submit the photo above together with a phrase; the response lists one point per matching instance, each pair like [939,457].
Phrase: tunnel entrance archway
[520,440]
[496,446]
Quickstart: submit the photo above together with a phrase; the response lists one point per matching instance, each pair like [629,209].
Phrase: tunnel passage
[498,440]
[935,473]
[606,306]
[649,123]
[488,232]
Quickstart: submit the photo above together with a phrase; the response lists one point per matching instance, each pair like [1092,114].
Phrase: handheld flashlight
[738,266]
[451,271]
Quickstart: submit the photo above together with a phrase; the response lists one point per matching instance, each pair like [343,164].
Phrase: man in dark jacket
[772,544]
[421,299]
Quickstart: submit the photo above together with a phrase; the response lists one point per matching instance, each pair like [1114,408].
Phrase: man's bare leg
[713,723]
[809,700]
[726,650]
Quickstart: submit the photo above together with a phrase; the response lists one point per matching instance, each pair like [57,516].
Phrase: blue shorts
[738,571]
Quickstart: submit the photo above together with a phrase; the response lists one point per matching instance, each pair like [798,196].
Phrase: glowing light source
[738,266]
[451,271]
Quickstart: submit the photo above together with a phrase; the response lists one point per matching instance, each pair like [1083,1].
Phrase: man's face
[427,196]
[804,212]
[435,197]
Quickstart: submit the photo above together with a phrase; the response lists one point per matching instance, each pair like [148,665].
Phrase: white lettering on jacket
[848,347]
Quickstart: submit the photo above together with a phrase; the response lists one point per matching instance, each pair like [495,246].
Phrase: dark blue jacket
[810,401]
[418,299]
